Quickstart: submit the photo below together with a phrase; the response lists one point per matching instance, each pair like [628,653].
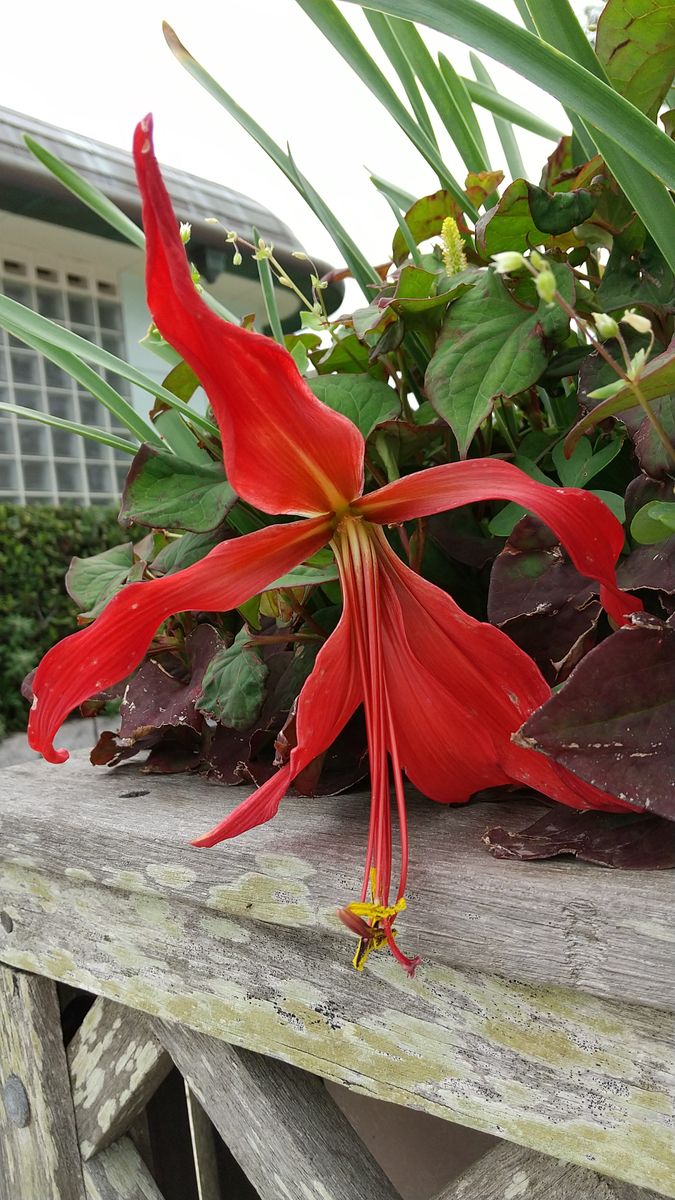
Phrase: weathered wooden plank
[39,1157]
[281,1125]
[605,932]
[203,1148]
[242,944]
[514,1173]
[119,1173]
[115,1066]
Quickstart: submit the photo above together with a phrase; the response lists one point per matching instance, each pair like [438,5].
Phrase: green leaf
[358,264]
[382,28]
[559,212]
[486,96]
[164,492]
[87,193]
[306,575]
[328,18]
[636,277]
[504,128]
[401,198]
[635,42]
[653,523]
[424,220]
[490,346]
[583,465]
[363,400]
[185,551]
[92,582]
[233,688]
[656,380]
[472,23]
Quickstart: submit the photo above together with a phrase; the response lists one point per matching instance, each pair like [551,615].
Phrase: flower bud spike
[454,258]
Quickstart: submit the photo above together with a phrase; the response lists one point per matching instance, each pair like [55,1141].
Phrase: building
[60,259]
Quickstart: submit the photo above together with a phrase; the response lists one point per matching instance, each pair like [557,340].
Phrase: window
[38,464]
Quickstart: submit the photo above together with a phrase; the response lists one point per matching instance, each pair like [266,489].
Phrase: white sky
[97,70]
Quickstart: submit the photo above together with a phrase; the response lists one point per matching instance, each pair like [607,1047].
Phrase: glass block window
[38,464]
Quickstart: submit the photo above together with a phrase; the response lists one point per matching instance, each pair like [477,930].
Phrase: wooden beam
[119,1173]
[242,943]
[115,1067]
[39,1158]
[283,1128]
[203,1135]
[515,1173]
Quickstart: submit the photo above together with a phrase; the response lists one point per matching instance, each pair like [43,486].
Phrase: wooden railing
[542,1012]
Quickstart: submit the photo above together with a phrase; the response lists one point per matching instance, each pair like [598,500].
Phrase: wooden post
[39,1158]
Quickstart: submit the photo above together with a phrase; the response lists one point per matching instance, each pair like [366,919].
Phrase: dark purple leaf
[539,598]
[632,842]
[613,722]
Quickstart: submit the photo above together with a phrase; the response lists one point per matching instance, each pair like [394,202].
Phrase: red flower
[442,692]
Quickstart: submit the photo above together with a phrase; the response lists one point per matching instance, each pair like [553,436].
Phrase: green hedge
[36,546]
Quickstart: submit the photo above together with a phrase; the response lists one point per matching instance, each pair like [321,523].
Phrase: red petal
[466,689]
[112,647]
[284,451]
[326,702]
[587,529]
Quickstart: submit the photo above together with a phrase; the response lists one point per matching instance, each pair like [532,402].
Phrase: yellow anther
[376,912]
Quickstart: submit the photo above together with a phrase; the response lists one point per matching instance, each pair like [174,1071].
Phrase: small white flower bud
[507,260]
[605,325]
[185,231]
[636,322]
[538,261]
[236,259]
[546,286]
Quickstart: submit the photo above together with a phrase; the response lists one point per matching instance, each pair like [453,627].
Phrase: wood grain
[514,1173]
[115,1066]
[524,1019]
[119,1173]
[283,1128]
[39,1157]
[203,1136]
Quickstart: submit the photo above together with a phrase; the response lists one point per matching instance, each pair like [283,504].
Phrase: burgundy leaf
[632,843]
[612,724]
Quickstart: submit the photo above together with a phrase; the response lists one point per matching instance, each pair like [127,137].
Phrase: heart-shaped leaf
[233,688]
[165,492]
[635,43]
[365,401]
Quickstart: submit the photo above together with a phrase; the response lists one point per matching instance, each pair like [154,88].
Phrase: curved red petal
[114,644]
[327,701]
[590,533]
[467,689]
[284,451]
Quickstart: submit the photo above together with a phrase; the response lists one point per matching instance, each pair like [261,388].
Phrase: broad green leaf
[328,18]
[185,551]
[358,264]
[87,193]
[85,431]
[653,523]
[424,220]
[363,400]
[489,98]
[636,277]
[92,582]
[635,42]
[615,504]
[164,492]
[583,465]
[656,380]
[490,346]
[528,216]
[559,212]
[472,23]
[503,127]
[233,688]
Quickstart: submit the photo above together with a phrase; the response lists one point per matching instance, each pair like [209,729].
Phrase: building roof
[111,170]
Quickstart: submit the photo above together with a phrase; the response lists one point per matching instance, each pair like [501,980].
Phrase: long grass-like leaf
[87,193]
[404,199]
[504,128]
[52,340]
[494,102]
[403,226]
[327,17]
[651,201]
[267,287]
[486,31]
[358,264]
[86,431]
[381,27]
[464,103]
